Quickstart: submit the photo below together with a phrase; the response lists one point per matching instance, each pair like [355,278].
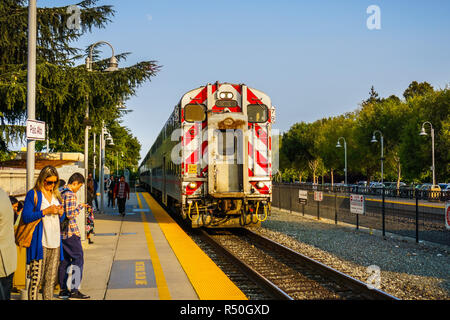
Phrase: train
[211,163]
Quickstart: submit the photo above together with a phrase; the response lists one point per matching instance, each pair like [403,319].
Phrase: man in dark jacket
[122,193]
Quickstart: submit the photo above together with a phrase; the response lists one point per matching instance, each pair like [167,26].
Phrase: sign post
[357,206]
[357,203]
[318,196]
[302,196]
[35,130]
[447,215]
[31,87]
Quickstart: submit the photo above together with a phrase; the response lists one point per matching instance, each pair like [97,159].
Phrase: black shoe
[90,241]
[78,295]
[64,294]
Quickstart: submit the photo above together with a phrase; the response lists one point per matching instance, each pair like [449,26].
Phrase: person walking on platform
[8,251]
[45,250]
[71,240]
[122,193]
[110,189]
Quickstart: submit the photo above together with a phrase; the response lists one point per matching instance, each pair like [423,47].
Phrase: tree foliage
[64,88]
[407,155]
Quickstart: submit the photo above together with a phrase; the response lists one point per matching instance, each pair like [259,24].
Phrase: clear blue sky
[314,58]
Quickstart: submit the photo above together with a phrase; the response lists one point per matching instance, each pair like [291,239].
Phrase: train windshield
[194,112]
[257,113]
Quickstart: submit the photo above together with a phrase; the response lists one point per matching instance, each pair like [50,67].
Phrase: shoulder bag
[24,231]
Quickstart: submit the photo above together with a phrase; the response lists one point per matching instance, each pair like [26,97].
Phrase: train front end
[226,150]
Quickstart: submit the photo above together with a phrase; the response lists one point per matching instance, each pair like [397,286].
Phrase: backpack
[64,226]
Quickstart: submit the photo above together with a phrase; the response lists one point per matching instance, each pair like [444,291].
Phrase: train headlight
[192,185]
[260,185]
[226,95]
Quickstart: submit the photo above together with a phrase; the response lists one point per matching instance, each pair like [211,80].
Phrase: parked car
[376,187]
[427,187]
[362,183]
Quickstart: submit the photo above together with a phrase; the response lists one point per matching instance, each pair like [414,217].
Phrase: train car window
[194,112]
[257,113]
[226,145]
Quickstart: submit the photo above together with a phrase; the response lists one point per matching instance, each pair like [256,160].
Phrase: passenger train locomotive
[211,162]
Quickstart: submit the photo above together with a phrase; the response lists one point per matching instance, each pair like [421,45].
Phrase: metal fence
[416,218]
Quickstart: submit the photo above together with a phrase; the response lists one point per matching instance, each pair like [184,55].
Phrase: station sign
[302,196]
[318,196]
[447,215]
[35,130]
[357,203]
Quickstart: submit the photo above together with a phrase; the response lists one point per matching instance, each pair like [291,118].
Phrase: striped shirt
[72,211]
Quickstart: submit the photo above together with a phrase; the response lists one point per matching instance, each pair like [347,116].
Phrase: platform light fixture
[374,140]
[338,145]
[424,133]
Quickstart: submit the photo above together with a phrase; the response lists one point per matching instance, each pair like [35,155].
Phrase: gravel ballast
[407,270]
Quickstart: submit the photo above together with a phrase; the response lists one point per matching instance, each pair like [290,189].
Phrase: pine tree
[373,98]
[62,82]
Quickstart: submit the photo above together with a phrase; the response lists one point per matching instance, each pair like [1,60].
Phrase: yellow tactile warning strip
[163,289]
[209,282]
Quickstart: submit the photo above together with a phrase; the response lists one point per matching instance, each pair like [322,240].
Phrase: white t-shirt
[51,234]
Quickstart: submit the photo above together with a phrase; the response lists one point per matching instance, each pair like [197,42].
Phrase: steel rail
[268,287]
[355,284]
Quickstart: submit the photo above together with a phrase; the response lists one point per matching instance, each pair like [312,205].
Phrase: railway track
[283,273]
[264,269]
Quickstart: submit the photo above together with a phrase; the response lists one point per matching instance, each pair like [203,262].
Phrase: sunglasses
[50,182]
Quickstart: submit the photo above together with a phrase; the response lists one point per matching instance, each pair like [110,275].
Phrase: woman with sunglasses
[45,252]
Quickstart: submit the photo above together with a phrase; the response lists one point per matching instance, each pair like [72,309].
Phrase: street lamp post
[338,145]
[102,163]
[374,140]
[424,133]
[383,210]
[117,163]
[94,156]
[112,66]
[31,87]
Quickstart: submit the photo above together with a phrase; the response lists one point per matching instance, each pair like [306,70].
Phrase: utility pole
[31,88]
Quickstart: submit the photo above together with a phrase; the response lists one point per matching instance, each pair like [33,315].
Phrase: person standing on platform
[15,206]
[110,189]
[45,251]
[95,194]
[8,251]
[122,193]
[90,189]
[89,224]
[71,240]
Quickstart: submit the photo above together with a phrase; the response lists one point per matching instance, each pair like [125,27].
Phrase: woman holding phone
[45,252]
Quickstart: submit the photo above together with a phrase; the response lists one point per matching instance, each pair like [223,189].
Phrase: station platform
[145,255]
